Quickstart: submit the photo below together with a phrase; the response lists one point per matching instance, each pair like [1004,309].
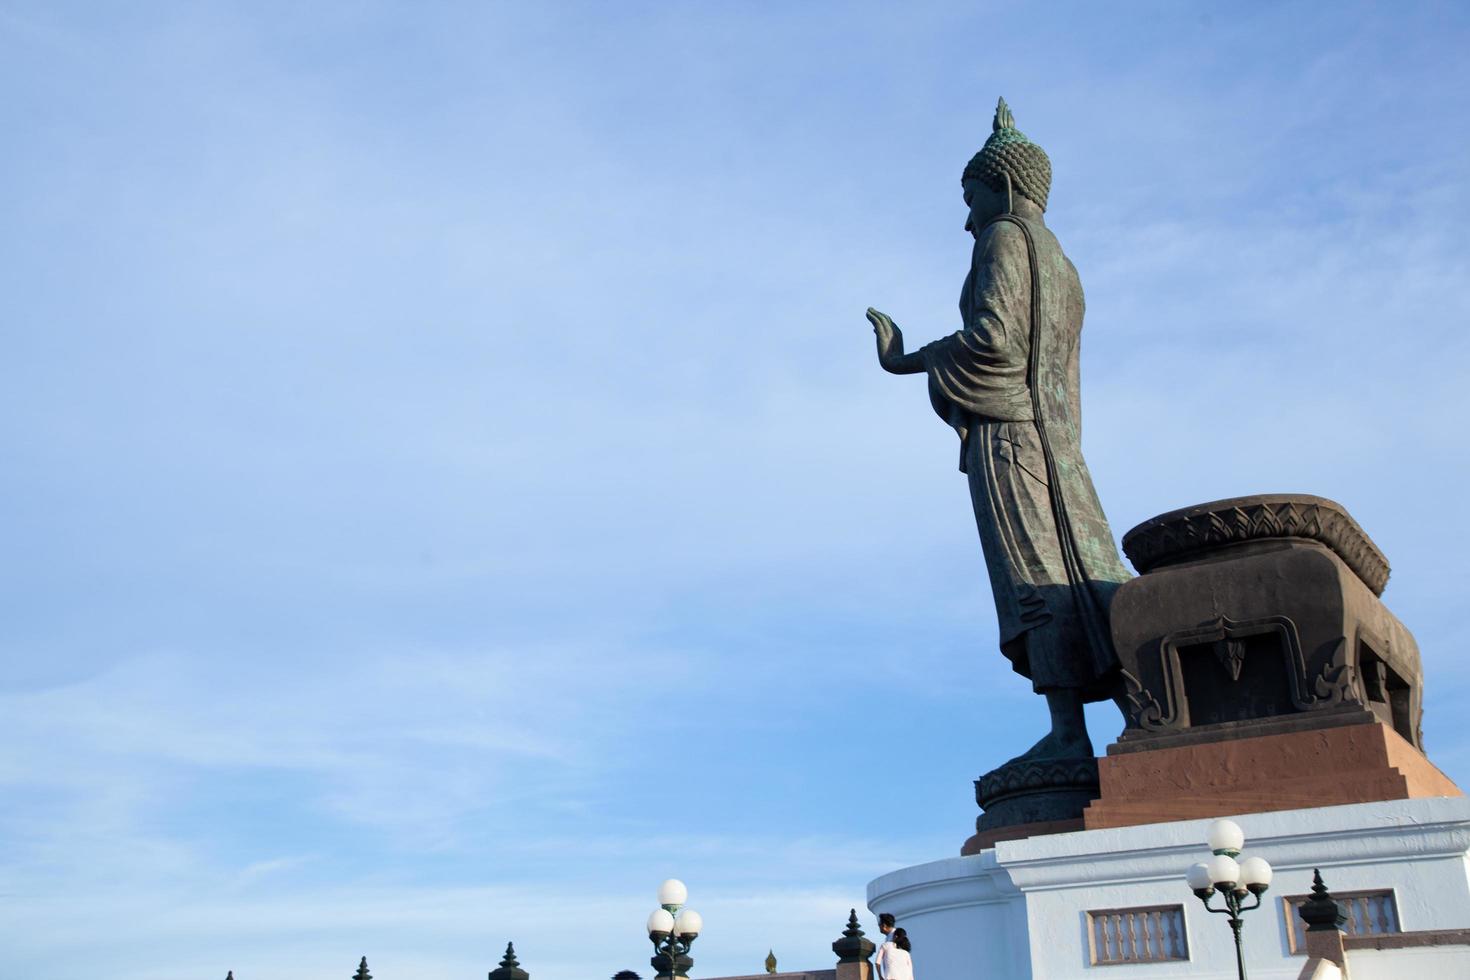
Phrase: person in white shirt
[886,924]
[893,961]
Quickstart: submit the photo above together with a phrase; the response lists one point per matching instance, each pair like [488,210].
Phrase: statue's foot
[1057,745]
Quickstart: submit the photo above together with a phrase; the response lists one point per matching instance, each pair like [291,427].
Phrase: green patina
[1008,382]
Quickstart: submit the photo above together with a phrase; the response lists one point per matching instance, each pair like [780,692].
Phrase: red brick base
[1320,767]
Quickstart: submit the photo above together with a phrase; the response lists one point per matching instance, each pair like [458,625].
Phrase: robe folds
[1050,553]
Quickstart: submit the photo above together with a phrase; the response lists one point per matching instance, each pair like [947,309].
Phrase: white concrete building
[1113,904]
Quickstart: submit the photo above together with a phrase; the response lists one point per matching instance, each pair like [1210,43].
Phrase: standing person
[886,924]
[893,961]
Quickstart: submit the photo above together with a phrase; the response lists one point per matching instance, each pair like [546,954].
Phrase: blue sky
[449,487]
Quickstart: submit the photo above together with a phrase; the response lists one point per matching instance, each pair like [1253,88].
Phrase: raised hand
[890,338]
[890,346]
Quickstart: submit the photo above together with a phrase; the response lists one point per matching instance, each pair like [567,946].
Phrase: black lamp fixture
[672,929]
[1233,879]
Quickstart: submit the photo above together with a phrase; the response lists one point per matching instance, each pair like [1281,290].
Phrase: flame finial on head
[1003,118]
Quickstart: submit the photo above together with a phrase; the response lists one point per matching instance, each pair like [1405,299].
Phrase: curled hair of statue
[1008,154]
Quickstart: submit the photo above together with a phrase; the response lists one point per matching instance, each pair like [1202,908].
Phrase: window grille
[1369,913]
[1150,934]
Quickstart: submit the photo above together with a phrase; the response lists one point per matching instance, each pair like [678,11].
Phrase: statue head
[1008,153]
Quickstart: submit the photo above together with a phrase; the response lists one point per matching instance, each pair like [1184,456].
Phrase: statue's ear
[1010,200]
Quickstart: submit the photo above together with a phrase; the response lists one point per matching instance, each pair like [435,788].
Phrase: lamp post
[672,929]
[1234,880]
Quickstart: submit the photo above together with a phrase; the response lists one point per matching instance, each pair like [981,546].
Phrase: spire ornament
[853,947]
[510,967]
[1321,912]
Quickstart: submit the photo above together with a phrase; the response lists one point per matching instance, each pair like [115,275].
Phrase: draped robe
[1050,553]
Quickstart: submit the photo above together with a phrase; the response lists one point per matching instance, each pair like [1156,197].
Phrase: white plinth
[1019,910]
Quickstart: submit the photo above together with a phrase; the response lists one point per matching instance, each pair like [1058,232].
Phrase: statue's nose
[969,225]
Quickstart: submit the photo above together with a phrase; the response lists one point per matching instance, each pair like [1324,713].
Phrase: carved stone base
[1022,799]
[1359,763]
[1259,610]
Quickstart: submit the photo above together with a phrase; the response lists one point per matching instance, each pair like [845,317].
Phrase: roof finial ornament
[1321,912]
[853,947]
[510,967]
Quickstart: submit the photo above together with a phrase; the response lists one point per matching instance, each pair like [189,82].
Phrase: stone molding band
[1019,778]
[1182,534]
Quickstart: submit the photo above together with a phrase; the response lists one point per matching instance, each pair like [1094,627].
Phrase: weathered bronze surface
[1008,383]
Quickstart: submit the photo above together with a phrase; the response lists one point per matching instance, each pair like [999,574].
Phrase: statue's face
[983,203]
